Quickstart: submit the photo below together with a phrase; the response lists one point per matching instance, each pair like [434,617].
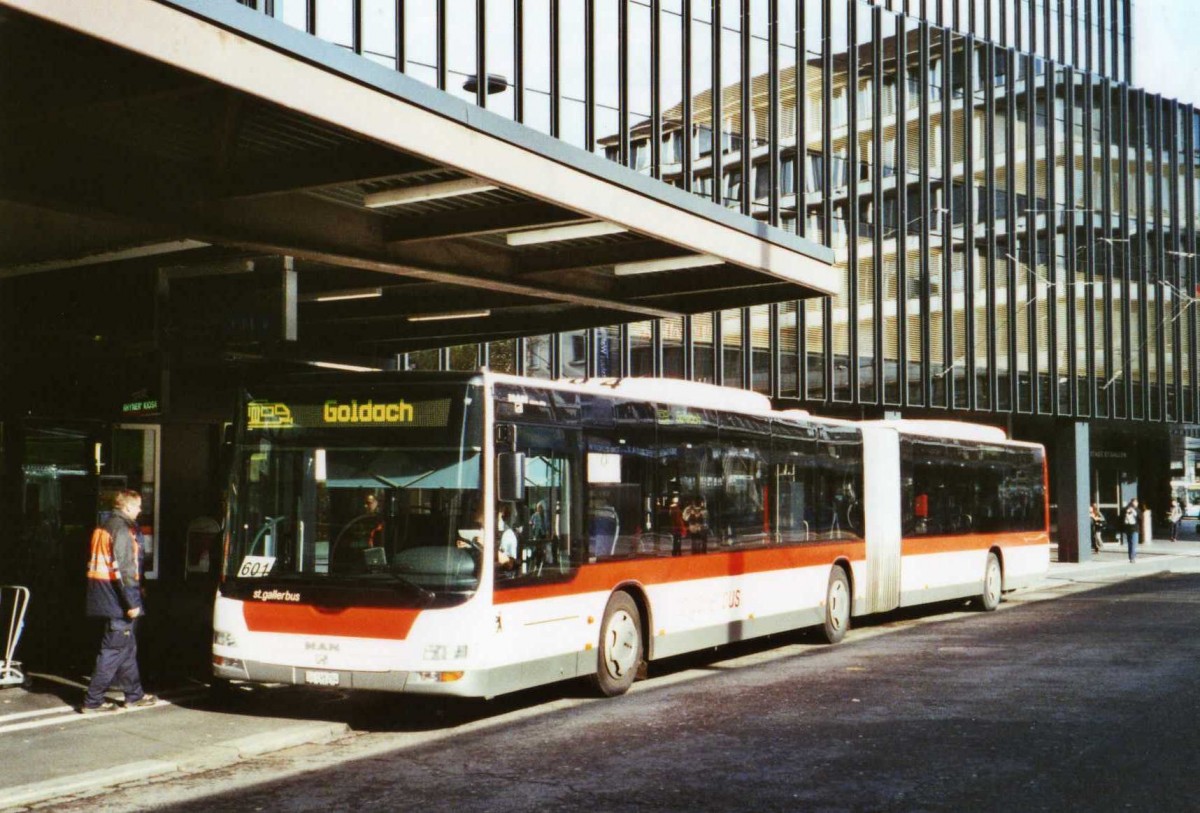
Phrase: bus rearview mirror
[510,476]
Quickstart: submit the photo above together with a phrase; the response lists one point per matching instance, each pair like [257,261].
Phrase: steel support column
[1072,476]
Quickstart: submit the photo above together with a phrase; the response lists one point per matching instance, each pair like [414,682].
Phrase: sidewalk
[1113,561]
[48,750]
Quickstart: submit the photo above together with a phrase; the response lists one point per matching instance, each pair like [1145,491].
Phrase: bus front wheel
[993,582]
[837,606]
[620,646]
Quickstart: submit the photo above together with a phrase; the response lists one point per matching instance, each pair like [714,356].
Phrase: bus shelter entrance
[67,475]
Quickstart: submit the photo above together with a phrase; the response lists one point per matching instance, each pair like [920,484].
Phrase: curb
[207,758]
[1151,562]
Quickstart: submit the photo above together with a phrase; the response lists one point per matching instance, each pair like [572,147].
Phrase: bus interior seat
[604,528]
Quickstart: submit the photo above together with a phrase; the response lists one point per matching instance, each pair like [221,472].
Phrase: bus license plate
[320,678]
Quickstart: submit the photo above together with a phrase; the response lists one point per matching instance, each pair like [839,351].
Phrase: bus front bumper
[449,683]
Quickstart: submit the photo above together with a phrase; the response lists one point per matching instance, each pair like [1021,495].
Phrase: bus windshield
[378,485]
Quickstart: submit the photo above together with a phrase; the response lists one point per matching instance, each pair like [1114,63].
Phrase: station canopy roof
[223,146]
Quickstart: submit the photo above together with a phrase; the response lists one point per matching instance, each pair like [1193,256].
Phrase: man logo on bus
[264,414]
[368,412]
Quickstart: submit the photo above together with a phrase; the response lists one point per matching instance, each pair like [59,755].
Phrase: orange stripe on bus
[603,576]
[388,623]
[967,542]
[670,570]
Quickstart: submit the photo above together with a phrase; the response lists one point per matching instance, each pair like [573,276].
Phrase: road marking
[22,715]
[61,715]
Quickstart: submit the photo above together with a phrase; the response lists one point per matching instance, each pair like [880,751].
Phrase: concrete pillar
[289,318]
[1072,476]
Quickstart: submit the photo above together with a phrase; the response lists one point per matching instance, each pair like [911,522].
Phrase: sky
[1166,48]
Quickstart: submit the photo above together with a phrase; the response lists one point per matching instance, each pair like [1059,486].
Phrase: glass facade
[1014,224]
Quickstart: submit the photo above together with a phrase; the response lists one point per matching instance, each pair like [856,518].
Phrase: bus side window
[548,515]
[619,468]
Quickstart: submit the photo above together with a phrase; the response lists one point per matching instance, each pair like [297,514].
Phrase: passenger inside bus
[678,526]
[538,522]
[696,518]
[506,547]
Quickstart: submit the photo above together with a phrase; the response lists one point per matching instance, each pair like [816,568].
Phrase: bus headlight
[228,663]
[440,677]
[223,638]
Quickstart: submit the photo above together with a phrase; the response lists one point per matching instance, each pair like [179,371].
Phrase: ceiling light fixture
[338,296]
[666,264]
[433,191]
[438,317]
[495,83]
[353,368]
[554,234]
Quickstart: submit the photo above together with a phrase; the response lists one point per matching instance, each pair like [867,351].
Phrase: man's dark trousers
[116,665]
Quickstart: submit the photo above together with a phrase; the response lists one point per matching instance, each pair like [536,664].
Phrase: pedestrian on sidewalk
[1174,515]
[1097,527]
[114,593]
[1129,526]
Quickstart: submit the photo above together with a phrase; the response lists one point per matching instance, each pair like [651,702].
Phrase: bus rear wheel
[620,651]
[837,606]
[993,582]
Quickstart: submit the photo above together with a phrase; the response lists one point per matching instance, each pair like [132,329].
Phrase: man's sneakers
[108,705]
[104,707]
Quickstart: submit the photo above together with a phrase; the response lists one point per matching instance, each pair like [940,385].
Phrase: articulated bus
[474,534]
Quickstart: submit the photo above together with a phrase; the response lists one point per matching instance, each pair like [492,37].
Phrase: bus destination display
[352,412]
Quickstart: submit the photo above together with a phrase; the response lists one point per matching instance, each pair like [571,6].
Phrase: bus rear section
[961,512]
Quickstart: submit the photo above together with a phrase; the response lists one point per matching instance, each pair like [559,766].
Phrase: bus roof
[675,391]
[714,396]
[954,430]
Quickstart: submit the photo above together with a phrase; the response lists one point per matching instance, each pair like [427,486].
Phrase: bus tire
[993,583]
[620,651]
[837,606]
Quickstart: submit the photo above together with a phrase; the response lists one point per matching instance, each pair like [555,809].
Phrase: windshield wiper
[425,594]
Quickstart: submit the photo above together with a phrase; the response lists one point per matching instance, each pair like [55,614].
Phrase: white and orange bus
[475,534]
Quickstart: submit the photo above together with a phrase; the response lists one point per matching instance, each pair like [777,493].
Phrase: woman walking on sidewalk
[1129,527]
[1097,528]
[1174,514]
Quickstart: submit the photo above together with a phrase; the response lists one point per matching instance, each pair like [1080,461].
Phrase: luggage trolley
[17,599]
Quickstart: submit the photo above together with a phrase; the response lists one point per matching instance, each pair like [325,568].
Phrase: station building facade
[1014,222]
[1012,225]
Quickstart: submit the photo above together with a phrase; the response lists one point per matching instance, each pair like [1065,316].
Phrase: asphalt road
[1086,702]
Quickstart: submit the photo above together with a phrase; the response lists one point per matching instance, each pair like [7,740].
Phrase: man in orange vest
[114,593]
